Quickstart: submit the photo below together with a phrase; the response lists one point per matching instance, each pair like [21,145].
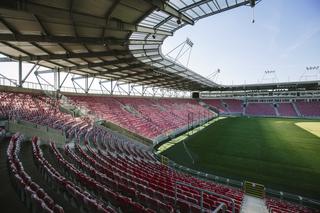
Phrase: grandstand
[79,149]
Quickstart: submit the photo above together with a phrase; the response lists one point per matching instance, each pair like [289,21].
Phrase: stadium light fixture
[312,68]
[269,71]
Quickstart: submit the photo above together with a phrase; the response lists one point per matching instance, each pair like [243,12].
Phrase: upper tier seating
[286,109]
[309,108]
[260,109]
[145,116]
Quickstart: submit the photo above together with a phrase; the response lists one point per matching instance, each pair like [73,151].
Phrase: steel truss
[51,80]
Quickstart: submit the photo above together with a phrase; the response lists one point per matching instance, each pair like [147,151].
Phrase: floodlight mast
[311,72]
[252,3]
[183,48]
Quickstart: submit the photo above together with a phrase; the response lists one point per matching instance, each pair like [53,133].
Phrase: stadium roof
[108,39]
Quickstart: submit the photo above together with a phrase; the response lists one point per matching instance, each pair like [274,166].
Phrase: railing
[222,207]
[239,184]
[201,196]
[293,198]
[8,82]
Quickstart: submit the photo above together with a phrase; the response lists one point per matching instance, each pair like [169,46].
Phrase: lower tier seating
[309,109]
[286,109]
[266,109]
[102,171]
[278,206]
[34,197]
[292,109]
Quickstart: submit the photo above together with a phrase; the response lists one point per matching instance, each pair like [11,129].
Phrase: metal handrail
[222,207]
[202,191]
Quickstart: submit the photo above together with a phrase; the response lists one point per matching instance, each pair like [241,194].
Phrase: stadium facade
[93,148]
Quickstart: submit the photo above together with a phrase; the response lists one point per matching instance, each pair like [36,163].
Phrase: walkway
[253,205]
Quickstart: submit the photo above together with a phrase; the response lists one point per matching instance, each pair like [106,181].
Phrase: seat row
[97,187]
[145,116]
[34,197]
[159,186]
[41,110]
[68,189]
[291,109]
[279,206]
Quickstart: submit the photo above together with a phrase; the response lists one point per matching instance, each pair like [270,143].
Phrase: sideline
[182,137]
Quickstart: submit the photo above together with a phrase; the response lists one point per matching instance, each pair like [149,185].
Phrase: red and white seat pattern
[309,109]
[286,109]
[145,116]
[83,199]
[279,206]
[105,171]
[233,105]
[217,104]
[41,110]
[126,168]
[265,109]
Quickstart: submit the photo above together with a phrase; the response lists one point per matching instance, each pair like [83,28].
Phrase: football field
[283,154]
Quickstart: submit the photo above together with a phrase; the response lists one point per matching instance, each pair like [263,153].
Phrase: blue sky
[285,37]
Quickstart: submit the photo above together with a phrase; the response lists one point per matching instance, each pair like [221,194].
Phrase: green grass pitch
[271,151]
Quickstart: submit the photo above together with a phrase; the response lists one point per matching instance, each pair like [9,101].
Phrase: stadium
[95,117]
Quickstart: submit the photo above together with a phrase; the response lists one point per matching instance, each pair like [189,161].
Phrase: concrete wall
[30,129]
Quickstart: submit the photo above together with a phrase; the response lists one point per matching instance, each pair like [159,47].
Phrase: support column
[86,87]
[111,91]
[58,80]
[20,72]
[55,78]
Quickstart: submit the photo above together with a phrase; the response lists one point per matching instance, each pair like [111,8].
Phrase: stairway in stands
[68,106]
[253,205]
[276,110]
[296,109]
[207,106]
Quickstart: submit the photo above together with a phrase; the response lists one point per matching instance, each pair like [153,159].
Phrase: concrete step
[253,205]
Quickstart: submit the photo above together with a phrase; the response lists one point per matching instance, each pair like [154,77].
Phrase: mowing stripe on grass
[182,137]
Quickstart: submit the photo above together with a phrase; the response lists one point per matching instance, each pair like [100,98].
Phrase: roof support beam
[72,39]
[100,64]
[167,8]
[6,59]
[30,71]
[57,39]
[224,9]
[196,4]
[72,55]
[129,67]
[82,19]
